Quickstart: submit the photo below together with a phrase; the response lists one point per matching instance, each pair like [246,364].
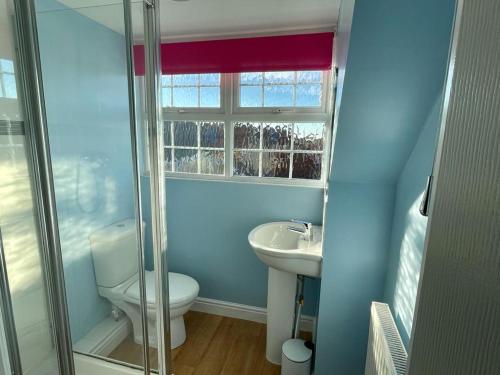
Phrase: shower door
[27,340]
[85,112]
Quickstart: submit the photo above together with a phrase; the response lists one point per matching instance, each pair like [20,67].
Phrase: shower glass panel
[21,246]
[4,355]
[83,53]
[20,243]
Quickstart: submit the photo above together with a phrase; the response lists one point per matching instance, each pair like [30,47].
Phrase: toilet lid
[182,289]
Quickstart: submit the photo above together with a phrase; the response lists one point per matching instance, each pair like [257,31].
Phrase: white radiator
[386,354]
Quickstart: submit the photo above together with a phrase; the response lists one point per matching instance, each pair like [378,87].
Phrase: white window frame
[168,110]
[322,108]
[230,112]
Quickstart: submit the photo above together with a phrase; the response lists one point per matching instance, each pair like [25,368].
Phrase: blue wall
[85,84]
[354,269]
[208,225]
[409,226]
[395,69]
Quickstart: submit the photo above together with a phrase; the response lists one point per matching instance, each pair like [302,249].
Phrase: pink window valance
[272,53]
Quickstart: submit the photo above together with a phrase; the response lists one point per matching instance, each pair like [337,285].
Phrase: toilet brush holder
[296,357]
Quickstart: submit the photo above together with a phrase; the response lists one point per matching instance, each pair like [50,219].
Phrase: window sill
[243,180]
[248,180]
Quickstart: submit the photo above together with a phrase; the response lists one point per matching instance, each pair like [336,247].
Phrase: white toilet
[115,258]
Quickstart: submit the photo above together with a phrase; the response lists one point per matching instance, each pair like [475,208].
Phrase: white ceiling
[205,19]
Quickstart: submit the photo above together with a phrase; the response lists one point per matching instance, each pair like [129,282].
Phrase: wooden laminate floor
[215,345]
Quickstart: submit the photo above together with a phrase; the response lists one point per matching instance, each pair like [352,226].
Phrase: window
[280,89]
[194,147]
[283,150]
[7,79]
[191,91]
[266,127]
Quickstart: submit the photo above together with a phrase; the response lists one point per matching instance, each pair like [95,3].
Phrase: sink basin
[288,251]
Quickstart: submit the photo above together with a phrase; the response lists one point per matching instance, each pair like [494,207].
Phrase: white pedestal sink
[287,254]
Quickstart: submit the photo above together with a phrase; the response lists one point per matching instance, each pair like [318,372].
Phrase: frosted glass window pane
[278,96]
[247,135]
[185,134]
[166,97]
[185,79]
[251,78]
[167,133]
[186,160]
[277,136]
[168,159]
[212,162]
[210,79]
[9,86]
[308,136]
[307,166]
[275,164]
[212,134]
[309,76]
[185,97]
[308,95]
[279,77]
[210,97]
[251,96]
[246,163]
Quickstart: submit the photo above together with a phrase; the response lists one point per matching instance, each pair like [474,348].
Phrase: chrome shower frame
[43,188]
[42,179]
[152,42]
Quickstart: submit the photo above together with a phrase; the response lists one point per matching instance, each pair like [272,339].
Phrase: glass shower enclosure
[72,228]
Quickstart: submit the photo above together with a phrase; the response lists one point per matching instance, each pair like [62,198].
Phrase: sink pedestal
[280,311]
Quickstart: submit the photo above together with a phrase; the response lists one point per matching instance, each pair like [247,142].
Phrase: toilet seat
[182,290]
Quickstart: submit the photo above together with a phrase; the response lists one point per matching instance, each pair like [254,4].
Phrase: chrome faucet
[306,230]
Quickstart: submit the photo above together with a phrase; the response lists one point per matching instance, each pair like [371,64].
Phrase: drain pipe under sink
[299,302]
[296,354]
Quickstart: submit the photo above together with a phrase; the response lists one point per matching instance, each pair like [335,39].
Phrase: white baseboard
[245,312]
[104,337]
[108,334]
